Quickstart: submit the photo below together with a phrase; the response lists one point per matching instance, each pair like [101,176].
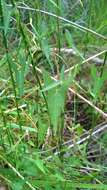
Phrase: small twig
[63,19]
[89,103]
[82,140]
[90,169]
[81,97]
[93,58]
[15,109]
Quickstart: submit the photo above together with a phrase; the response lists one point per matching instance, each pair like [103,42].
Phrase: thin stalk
[58,25]
[60,125]
[4,123]
[89,24]
[101,72]
[75,108]
[75,25]
[37,17]
[103,65]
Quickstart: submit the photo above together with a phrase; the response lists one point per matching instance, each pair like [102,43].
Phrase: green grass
[33,103]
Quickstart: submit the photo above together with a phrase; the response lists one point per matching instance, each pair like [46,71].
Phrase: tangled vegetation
[53,94]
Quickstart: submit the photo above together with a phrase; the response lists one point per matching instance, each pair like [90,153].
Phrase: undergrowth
[53,94]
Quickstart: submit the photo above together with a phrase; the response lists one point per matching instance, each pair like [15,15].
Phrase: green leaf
[47,79]
[55,106]
[70,41]
[56,97]
[53,3]
[86,186]
[68,38]
[40,165]
[97,82]
[24,128]
[18,185]
[62,74]
[20,74]
[81,3]
[6,16]
[42,129]
[29,167]
[59,176]
[3,61]
[46,51]
[19,67]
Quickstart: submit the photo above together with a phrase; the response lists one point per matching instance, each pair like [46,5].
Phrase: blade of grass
[8,58]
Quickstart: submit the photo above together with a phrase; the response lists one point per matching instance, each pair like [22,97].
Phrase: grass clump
[53,95]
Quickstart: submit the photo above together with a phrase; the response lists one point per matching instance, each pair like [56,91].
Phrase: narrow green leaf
[6,16]
[55,106]
[18,185]
[40,165]
[3,61]
[56,95]
[24,128]
[42,129]
[53,3]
